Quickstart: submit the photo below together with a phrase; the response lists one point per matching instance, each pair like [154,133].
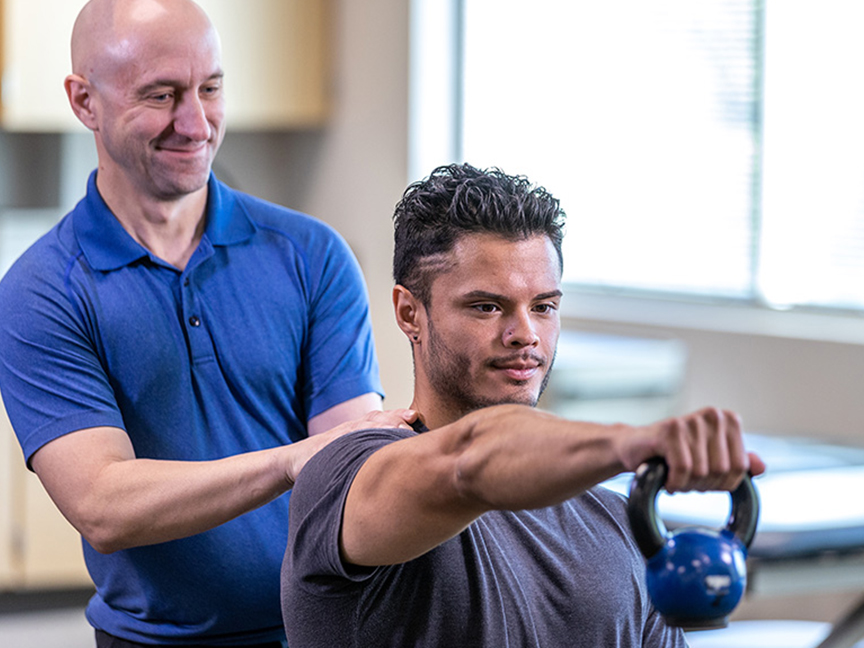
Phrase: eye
[545,307]
[485,307]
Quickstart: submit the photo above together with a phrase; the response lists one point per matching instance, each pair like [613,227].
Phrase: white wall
[778,385]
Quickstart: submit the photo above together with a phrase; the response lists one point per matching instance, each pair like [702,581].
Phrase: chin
[519,398]
[183,185]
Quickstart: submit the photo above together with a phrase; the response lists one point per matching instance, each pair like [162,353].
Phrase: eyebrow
[168,83]
[482,294]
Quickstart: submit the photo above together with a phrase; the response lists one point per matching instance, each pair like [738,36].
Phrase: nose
[190,118]
[520,332]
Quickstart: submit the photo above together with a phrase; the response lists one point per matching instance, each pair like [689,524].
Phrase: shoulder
[325,479]
[267,215]
[339,461]
[43,269]
[318,498]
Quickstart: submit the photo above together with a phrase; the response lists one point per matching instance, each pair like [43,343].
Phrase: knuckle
[739,464]
[701,470]
[678,428]
[713,415]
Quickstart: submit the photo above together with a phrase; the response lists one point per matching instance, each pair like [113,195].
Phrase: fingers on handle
[705,451]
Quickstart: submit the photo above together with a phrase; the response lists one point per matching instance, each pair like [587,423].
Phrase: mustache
[522,357]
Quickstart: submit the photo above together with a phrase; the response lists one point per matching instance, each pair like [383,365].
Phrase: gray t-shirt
[568,575]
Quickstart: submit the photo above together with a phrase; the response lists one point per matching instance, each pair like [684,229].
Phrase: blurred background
[710,157]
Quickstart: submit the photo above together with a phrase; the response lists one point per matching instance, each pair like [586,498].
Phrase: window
[710,149]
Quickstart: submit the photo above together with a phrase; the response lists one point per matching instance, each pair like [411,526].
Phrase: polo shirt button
[194,321]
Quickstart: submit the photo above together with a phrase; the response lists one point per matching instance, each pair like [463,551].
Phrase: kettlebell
[695,575]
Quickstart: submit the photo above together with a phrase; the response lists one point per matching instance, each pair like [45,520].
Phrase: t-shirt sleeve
[341,358]
[660,635]
[312,558]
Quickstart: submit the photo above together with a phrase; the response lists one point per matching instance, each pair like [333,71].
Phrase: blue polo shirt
[266,327]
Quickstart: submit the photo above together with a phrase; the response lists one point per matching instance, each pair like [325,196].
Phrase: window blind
[642,117]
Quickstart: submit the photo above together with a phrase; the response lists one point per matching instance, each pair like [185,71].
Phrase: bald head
[147,81]
[109,33]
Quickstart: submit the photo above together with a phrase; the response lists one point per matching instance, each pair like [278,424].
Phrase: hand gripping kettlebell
[695,576]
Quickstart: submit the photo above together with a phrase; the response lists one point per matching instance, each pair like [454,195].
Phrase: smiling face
[156,98]
[490,331]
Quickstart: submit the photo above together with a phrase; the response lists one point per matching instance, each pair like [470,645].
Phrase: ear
[80,94]
[410,313]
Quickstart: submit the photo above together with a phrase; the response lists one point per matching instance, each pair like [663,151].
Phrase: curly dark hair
[459,199]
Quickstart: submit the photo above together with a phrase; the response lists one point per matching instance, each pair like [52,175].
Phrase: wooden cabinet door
[275,54]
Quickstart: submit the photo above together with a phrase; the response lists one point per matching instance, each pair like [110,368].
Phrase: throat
[171,237]
[177,253]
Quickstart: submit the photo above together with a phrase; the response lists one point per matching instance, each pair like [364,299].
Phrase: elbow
[102,534]
[104,543]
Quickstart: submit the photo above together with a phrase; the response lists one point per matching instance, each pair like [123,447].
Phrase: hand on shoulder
[301,451]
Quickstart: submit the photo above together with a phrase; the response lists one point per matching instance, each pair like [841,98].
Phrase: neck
[433,412]
[169,229]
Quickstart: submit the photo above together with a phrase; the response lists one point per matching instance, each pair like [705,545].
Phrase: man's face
[493,322]
[161,112]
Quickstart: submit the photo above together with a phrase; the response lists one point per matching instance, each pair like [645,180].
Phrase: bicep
[70,465]
[403,502]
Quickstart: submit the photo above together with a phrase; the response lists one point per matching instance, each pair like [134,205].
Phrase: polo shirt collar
[108,246]
[228,223]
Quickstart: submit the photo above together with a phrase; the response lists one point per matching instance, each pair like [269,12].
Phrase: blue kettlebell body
[698,577]
[695,576]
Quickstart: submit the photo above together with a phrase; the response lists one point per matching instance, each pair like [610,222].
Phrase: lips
[520,368]
[182,150]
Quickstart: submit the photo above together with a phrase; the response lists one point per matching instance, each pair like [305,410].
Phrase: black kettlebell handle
[649,530]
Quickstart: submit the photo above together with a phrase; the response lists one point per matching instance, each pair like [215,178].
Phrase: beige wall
[351,173]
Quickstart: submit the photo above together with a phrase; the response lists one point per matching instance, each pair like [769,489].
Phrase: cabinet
[275,57]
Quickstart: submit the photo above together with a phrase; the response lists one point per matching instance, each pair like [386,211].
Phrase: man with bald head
[173,350]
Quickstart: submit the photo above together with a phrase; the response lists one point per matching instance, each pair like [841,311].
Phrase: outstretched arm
[416,493]
[116,500]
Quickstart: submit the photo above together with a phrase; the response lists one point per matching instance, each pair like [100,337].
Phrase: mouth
[521,368]
[177,149]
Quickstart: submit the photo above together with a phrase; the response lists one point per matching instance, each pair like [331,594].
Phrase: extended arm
[416,493]
[117,501]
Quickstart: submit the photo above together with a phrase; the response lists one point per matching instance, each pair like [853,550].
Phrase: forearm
[117,500]
[518,458]
[137,502]
[508,466]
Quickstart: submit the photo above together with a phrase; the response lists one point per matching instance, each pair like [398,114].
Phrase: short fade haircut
[459,199]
